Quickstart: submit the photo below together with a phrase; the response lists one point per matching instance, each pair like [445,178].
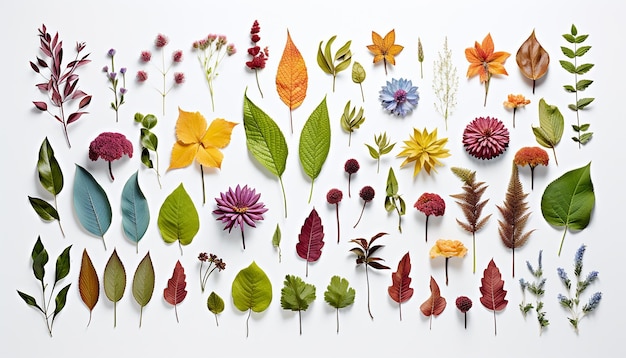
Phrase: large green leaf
[252,289]
[315,142]
[143,283]
[91,204]
[568,201]
[114,281]
[178,218]
[551,125]
[50,175]
[135,210]
[265,141]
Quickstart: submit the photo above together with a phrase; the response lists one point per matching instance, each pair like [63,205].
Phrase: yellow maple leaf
[196,141]
[425,150]
[385,49]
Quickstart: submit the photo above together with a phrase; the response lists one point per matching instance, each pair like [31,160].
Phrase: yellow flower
[425,150]
[448,248]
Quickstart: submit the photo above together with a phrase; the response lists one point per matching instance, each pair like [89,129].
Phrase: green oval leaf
[252,289]
[178,218]
[50,175]
[215,303]
[45,211]
[63,264]
[315,142]
[114,278]
[148,139]
[143,281]
[551,126]
[91,203]
[358,73]
[135,210]
[60,300]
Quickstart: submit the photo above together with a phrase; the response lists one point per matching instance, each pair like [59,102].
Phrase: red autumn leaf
[175,291]
[492,290]
[42,106]
[84,102]
[435,304]
[34,67]
[310,240]
[400,291]
[74,117]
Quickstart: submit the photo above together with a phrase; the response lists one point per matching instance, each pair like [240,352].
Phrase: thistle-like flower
[238,207]
[430,204]
[367,194]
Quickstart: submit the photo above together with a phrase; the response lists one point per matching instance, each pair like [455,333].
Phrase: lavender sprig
[112,76]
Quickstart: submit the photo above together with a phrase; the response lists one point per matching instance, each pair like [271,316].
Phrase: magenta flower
[146,56]
[179,78]
[351,167]
[485,138]
[161,40]
[110,146]
[142,76]
[430,204]
[239,207]
[333,197]
[177,56]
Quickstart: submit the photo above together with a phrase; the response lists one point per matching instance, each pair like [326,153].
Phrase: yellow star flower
[425,150]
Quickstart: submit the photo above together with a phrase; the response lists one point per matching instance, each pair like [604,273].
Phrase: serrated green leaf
[315,142]
[135,210]
[296,295]
[114,278]
[30,300]
[339,294]
[50,175]
[178,218]
[584,68]
[143,282]
[91,204]
[252,289]
[569,38]
[60,300]
[584,102]
[569,200]
[551,126]
[62,265]
[581,39]
[582,50]
[358,73]
[569,88]
[45,211]
[568,66]
[583,84]
[265,141]
[149,140]
[215,303]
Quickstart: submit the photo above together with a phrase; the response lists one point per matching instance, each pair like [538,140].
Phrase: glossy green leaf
[265,141]
[50,175]
[60,300]
[30,300]
[45,211]
[63,265]
[135,210]
[143,283]
[252,289]
[569,200]
[315,142]
[91,204]
[39,263]
[145,158]
[148,139]
[114,281]
[178,218]
[551,125]
[149,121]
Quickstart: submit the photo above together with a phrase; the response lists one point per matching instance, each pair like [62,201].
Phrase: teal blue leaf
[91,204]
[135,210]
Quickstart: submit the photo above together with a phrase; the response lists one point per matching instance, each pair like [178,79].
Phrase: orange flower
[385,49]
[485,62]
[448,249]
[531,156]
[515,101]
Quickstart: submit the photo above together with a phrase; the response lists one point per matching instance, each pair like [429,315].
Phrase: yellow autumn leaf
[291,77]
[385,49]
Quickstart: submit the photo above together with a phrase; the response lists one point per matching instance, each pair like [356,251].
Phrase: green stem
[282,187]
[56,208]
[256,74]
[202,179]
[311,192]
[562,240]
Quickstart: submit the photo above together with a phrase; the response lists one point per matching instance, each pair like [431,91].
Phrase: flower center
[400,96]
[241,210]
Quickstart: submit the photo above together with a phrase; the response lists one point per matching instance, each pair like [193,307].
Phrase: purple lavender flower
[111,52]
[105,69]
[123,70]
[578,260]
[123,91]
[238,207]
[399,97]
[592,276]
[593,303]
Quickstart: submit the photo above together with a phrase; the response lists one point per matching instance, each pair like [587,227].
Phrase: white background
[130,27]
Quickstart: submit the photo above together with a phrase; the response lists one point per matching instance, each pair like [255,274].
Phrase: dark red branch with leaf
[364,256]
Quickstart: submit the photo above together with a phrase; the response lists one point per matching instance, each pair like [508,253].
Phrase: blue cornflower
[399,97]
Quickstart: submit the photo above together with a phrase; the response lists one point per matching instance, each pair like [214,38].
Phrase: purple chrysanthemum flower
[399,97]
[238,207]
[485,138]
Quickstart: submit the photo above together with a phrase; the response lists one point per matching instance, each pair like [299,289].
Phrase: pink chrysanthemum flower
[238,207]
[161,40]
[485,138]
[430,204]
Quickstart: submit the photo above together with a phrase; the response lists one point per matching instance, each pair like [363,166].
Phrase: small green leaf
[392,183]
[349,121]
[584,102]
[135,210]
[39,263]
[149,121]
[296,295]
[63,265]
[586,137]
[324,63]
[215,303]
[60,300]
[143,281]
[582,50]
[373,152]
[50,175]
[584,68]
[276,241]
[339,294]
[573,30]
[30,300]
[114,278]
[178,218]
[149,140]
[45,211]
[568,66]
[572,107]
[569,38]
[315,142]
[138,117]
[583,84]
[581,39]
[584,127]
[145,158]
[569,88]
[358,73]
[251,290]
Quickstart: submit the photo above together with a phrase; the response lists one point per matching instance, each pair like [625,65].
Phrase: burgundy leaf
[83,62]
[492,290]
[43,86]
[42,106]
[435,304]
[74,117]
[58,118]
[56,98]
[175,291]
[45,48]
[400,290]
[84,102]
[69,88]
[78,94]
[311,239]
[54,40]
[34,67]
[42,63]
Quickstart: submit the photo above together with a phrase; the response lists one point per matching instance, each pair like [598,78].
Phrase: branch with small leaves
[536,288]
[149,142]
[364,255]
[384,147]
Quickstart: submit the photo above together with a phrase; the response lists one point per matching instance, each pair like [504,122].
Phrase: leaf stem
[300,320]
[447,259]
[367,279]
[256,74]
[474,249]
[360,216]
[247,322]
[337,320]
[337,212]
[56,208]
[203,189]
[311,192]
[426,229]
[562,240]
[282,187]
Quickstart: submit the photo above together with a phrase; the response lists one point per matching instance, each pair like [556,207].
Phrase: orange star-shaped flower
[385,48]
[485,62]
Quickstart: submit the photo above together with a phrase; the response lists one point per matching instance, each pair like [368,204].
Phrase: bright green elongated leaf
[324,61]
[582,50]
[50,175]
[315,142]
[135,210]
[251,290]
[568,66]
[91,204]
[568,201]
[296,295]
[143,283]
[551,126]
[265,141]
[178,218]
[45,211]
[114,282]
[215,304]
[276,241]
[63,264]
[339,294]
[60,300]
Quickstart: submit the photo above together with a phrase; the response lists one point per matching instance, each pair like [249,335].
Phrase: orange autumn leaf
[291,77]
[435,304]
[196,141]
[385,49]
[485,62]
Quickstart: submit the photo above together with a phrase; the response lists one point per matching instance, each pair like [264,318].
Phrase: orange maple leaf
[385,48]
[485,62]
[196,141]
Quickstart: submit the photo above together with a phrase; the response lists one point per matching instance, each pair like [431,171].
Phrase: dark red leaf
[78,94]
[400,290]
[71,64]
[311,239]
[34,67]
[43,86]
[376,265]
[54,40]
[41,62]
[56,98]
[84,102]
[42,106]
[58,118]
[74,117]
[435,304]
[175,291]
[492,290]
[45,48]
[69,88]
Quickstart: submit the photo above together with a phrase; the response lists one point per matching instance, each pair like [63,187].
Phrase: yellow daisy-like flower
[425,150]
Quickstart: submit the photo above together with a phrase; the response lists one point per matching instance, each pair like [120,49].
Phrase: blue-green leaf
[135,210]
[91,204]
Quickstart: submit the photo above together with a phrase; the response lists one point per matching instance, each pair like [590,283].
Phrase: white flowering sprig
[445,83]
[112,76]
[536,288]
[572,303]
[211,50]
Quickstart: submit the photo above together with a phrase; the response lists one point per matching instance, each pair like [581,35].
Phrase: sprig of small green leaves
[384,147]
[149,142]
[350,120]
[393,201]
[337,63]
[582,136]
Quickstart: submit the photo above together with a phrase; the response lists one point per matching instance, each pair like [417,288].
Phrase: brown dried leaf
[88,283]
[532,59]
[435,304]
